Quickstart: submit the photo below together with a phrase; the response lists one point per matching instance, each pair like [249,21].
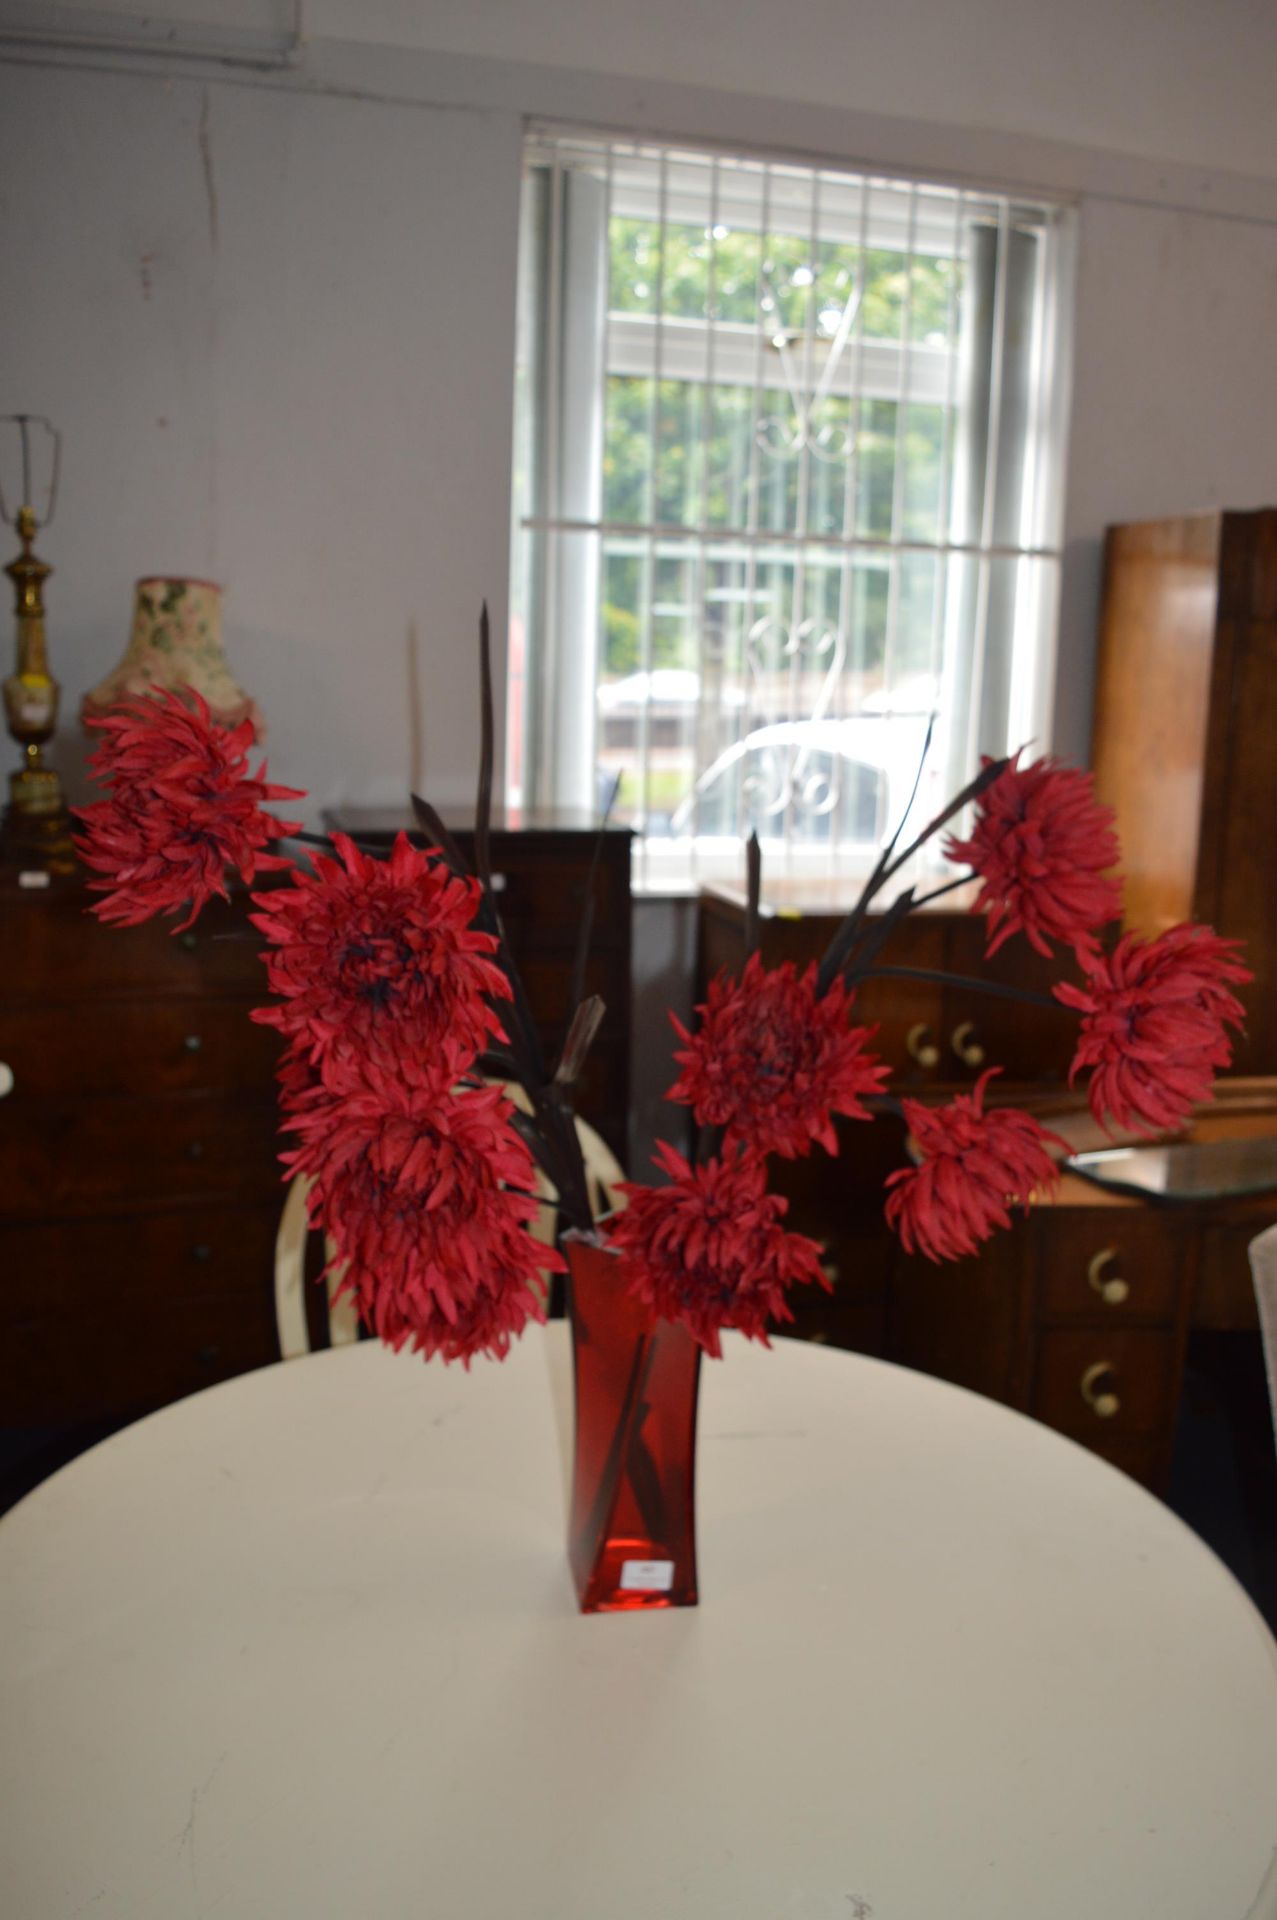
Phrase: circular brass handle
[188,940]
[193,1042]
[1100,1398]
[6,1078]
[1112,1292]
[966,1046]
[920,1046]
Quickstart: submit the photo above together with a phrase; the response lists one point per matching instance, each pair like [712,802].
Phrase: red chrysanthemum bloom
[427,1199]
[367,954]
[1154,1014]
[772,1060]
[709,1250]
[973,1168]
[182,809]
[1041,845]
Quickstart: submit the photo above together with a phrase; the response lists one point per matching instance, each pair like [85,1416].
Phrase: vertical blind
[787,485]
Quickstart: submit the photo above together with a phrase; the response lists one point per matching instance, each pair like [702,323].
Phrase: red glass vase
[632,1531]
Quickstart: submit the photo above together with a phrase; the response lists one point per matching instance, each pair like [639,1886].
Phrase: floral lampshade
[176,642]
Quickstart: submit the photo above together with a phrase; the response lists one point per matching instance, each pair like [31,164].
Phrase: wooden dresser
[139,1186]
[1034,1321]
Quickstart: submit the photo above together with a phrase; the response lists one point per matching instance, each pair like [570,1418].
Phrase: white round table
[306,1645]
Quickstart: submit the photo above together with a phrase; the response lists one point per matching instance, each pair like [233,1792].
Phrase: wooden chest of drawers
[139,1180]
[1036,1320]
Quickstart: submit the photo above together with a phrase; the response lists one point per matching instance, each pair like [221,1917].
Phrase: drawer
[121,1359]
[113,1155]
[541,890]
[1086,1258]
[52,948]
[1140,1372]
[76,1267]
[136,1047]
[1029,1043]
[854,1313]
[909,1014]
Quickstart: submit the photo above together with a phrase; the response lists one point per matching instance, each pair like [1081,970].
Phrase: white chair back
[290,1281]
[1263,1266]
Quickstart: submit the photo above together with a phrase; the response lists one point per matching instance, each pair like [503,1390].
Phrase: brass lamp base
[36,791]
[36,829]
[39,841]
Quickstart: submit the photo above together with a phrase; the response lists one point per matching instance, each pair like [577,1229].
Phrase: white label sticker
[33,877]
[647,1576]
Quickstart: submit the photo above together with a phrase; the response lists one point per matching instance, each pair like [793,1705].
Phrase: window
[787,479]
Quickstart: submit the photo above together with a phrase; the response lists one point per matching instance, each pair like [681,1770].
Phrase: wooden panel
[1142,1456]
[1153,681]
[1236,891]
[1225,1298]
[1147,1250]
[126,1359]
[51,948]
[136,1046]
[965,1320]
[1144,1375]
[111,1155]
[79,1267]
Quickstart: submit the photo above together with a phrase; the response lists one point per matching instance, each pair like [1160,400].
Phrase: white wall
[1185,80]
[275,332]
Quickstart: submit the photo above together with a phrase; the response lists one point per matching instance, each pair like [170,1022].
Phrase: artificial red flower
[973,1167]
[708,1250]
[1154,1014]
[370,954]
[181,810]
[1041,845]
[427,1198]
[772,1060]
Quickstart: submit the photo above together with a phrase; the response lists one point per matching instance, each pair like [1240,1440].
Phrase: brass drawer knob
[193,1042]
[1097,1391]
[1112,1291]
[920,1046]
[966,1046]
[188,940]
[6,1078]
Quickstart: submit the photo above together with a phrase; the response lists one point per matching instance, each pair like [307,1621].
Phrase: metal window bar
[944,501]
[753,540]
[900,463]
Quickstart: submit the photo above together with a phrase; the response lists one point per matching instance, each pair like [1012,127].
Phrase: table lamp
[36,826]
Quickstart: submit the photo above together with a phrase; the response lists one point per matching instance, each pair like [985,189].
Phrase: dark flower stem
[633,1412]
[377,849]
[938,893]
[968,981]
